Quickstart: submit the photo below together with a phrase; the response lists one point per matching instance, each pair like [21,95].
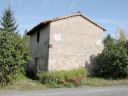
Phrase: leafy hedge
[13,55]
[63,78]
[113,61]
[13,50]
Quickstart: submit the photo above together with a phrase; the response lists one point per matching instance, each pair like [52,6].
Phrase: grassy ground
[25,84]
[100,82]
[28,84]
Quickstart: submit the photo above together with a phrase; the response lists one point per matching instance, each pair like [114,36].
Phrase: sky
[111,14]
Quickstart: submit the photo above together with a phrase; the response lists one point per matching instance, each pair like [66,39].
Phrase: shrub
[63,78]
[13,51]
[13,55]
[113,61]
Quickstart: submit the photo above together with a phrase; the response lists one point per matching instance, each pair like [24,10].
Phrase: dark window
[50,46]
[38,36]
[36,63]
[36,60]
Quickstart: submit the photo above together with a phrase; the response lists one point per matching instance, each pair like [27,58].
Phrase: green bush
[62,78]
[13,56]
[13,50]
[113,61]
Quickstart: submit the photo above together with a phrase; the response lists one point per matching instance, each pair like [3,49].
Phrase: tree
[10,59]
[8,22]
[108,39]
[122,36]
[29,68]
[25,45]
[13,50]
[26,38]
[13,55]
[113,61]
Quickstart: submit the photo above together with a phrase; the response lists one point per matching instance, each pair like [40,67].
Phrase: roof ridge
[65,17]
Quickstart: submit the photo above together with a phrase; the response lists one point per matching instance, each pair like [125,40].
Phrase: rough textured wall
[74,41]
[40,49]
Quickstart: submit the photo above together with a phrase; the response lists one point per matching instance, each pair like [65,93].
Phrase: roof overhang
[45,22]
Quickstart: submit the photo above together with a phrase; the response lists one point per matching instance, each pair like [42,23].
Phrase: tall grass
[63,78]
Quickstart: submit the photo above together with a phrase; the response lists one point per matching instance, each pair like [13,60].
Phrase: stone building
[65,42]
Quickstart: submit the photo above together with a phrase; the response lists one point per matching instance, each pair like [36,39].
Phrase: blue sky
[112,14]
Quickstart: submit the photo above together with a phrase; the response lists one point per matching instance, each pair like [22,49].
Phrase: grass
[63,78]
[101,82]
[28,84]
[24,83]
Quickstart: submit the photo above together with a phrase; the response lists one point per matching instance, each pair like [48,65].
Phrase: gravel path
[83,91]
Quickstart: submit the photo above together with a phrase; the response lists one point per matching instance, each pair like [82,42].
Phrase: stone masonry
[66,42]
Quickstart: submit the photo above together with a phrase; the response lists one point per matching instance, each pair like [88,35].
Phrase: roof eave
[36,27]
[56,19]
[93,22]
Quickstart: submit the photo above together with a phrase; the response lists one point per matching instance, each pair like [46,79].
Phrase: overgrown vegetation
[13,50]
[63,78]
[29,84]
[113,61]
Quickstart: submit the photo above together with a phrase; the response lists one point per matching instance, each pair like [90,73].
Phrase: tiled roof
[61,18]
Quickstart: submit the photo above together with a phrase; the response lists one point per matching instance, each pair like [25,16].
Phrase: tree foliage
[8,21]
[113,61]
[108,39]
[13,50]
[122,36]
[13,55]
